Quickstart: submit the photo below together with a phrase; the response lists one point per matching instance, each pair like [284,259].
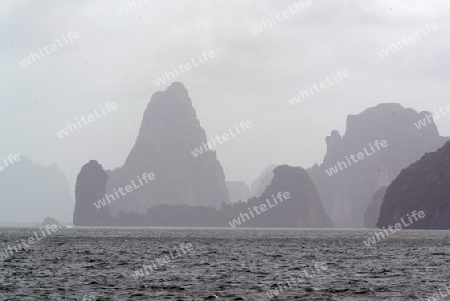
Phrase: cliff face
[238,191]
[89,189]
[347,193]
[303,208]
[422,186]
[30,192]
[373,209]
[169,134]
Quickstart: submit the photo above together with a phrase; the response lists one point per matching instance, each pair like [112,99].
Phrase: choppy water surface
[224,264]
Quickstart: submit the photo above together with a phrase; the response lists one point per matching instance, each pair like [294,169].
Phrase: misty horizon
[224,150]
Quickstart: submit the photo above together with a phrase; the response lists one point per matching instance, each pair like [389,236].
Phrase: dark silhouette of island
[347,193]
[422,186]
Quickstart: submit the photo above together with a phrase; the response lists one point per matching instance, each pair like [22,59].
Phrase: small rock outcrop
[238,191]
[373,209]
[89,189]
[422,186]
[50,221]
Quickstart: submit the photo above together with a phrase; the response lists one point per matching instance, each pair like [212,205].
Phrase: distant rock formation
[89,189]
[373,209]
[169,134]
[260,184]
[30,192]
[238,191]
[303,209]
[422,186]
[50,221]
[347,193]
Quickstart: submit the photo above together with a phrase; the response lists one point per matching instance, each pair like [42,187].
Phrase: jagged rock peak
[333,140]
[176,94]
[385,115]
[347,193]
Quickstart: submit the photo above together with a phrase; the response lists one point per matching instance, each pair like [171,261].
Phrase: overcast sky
[117,58]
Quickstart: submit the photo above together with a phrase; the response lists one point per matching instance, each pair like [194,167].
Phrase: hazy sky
[117,58]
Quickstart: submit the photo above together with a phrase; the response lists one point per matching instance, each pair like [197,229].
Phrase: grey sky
[250,78]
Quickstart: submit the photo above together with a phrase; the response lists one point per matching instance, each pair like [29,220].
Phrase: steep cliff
[422,186]
[373,209]
[169,134]
[89,189]
[347,190]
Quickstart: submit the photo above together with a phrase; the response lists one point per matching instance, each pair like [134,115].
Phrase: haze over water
[224,150]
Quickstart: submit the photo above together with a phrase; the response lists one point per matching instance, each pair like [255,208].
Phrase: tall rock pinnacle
[90,188]
[169,132]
